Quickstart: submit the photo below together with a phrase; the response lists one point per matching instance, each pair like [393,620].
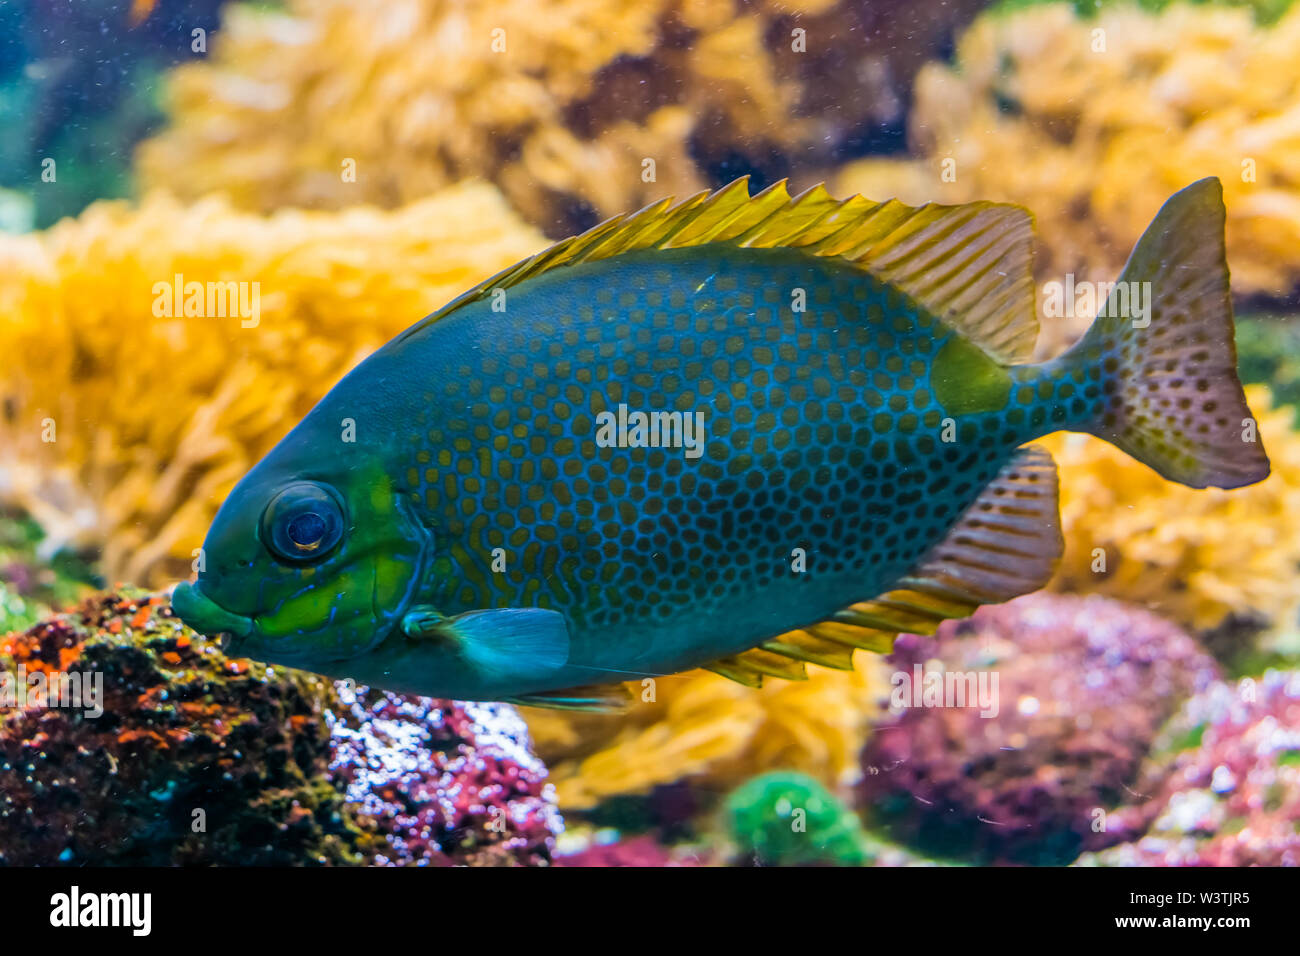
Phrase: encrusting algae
[1092,122]
[125,429]
[559,102]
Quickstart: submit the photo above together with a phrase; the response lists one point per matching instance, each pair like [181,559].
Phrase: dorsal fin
[1006,544]
[970,265]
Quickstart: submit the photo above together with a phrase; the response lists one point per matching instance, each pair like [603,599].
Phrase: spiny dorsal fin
[1006,544]
[970,265]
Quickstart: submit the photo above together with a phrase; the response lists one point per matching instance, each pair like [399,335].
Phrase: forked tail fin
[1162,351]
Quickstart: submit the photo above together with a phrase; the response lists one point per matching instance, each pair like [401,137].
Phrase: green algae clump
[789,819]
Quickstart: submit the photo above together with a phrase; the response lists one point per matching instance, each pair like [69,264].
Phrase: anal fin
[750,667]
[1007,543]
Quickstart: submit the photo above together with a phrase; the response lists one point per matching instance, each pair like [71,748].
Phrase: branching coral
[1196,556]
[125,428]
[1092,123]
[716,733]
[558,102]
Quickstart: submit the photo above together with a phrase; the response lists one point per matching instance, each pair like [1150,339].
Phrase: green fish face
[301,567]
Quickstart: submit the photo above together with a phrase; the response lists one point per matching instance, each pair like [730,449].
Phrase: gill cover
[305,565]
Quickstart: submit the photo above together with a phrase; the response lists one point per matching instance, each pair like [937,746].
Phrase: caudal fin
[1163,348]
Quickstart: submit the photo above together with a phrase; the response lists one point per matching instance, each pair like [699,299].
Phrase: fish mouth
[206,616]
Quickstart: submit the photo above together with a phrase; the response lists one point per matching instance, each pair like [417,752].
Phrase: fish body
[634,464]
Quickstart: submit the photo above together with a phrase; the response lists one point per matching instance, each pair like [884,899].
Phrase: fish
[744,433]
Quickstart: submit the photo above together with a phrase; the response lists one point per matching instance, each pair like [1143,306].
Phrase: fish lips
[206,616]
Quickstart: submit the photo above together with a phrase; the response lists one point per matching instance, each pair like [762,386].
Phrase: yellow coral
[1107,118]
[553,100]
[126,430]
[1195,556]
[714,732]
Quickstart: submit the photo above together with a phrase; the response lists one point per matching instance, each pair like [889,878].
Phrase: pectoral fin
[525,641]
[594,699]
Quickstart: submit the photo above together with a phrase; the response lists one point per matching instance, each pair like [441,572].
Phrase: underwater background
[365,163]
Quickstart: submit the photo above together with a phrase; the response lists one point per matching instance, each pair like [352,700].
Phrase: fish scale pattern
[822,431]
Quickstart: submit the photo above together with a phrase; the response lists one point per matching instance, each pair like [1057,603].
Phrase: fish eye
[303,523]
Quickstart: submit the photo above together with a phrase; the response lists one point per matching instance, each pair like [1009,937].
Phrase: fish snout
[206,616]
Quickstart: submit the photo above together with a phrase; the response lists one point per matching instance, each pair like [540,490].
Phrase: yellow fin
[750,667]
[852,634]
[970,265]
[784,656]
[733,668]
[803,645]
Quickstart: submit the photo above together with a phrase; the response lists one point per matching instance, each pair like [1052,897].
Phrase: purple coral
[1083,687]
[442,782]
[1224,782]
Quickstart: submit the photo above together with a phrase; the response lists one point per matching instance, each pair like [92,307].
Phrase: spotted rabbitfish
[502,503]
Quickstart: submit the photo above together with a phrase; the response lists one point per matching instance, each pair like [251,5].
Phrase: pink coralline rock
[1083,686]
[442,782]
[1223,780]
[638,851]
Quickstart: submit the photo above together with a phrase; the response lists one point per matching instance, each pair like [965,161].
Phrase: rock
[196,759]
[200,759]
[1083,686]
[442,782]
[1223,783]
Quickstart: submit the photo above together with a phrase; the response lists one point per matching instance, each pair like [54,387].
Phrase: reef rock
[442,782]
[172,753]
[1083,686]
[1223,783]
